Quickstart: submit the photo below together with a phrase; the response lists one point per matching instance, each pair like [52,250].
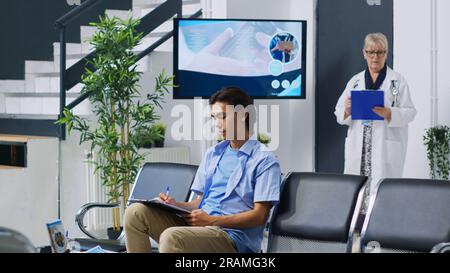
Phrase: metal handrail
[79,217]
[141,55]
[71,76]
[148,23]
[73,13]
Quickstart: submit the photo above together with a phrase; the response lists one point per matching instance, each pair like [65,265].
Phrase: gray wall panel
[341,28]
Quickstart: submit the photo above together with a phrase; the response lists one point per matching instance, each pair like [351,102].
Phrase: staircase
[33,103]
[29,108]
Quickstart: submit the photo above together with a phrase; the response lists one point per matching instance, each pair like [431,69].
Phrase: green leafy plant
[146,138]
[153,136]
[436,140]
[120,112]
[264,138]
[159,130]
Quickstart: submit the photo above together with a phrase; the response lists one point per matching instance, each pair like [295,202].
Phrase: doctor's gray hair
[376,39]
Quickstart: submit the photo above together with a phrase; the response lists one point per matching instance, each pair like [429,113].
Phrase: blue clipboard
[364,101]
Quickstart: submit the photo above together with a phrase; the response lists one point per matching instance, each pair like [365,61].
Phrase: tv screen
[266,58]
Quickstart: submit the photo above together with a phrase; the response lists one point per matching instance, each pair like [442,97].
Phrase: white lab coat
[389,140]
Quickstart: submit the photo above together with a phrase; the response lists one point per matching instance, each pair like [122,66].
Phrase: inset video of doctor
[376,147]
[284,47]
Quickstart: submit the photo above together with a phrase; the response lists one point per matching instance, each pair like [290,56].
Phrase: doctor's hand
[384,112]
[348,107]
[198,218]
[167,199]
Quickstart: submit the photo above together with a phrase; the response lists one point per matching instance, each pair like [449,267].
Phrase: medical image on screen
[284,47]
[264,58]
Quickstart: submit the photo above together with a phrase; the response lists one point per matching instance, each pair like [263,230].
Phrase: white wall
[296,150]
[412,58]
[73,181]
[28,196]
[296,147]
[444,61]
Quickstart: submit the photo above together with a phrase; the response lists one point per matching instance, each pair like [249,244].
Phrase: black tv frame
[176,95]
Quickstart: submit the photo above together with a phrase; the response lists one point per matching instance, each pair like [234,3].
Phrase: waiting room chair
[408,215]
[152,179]
[317,213]
[12,241]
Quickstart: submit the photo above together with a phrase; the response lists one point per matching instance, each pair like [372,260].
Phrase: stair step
[165,27]
[39,67]
[27,117]
[121,14]
[155,3]
[70,60]
[154,36]
[12,86]
[51,85]
[71,49]
[40,95]
[30,80]
[189,7]
[167,46]
[41,106]
[86,32]
[2,103]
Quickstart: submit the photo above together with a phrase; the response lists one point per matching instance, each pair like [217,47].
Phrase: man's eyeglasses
[371,53]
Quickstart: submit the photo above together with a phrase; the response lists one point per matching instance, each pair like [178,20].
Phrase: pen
[167,191]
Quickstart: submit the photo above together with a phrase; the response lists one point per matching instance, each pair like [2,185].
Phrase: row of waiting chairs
[318,212]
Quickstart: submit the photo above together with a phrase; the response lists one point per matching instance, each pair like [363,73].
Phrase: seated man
[237,183]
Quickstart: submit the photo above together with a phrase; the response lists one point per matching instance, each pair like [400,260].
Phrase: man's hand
[384,112]
[167,199]
[198,218]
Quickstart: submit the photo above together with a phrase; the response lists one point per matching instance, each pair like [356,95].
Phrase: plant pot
[147,145]
[113,234]
[159,143]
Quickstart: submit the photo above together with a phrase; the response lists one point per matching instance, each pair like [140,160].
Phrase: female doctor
[377,148]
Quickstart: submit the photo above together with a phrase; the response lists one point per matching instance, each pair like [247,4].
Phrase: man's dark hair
[233,96]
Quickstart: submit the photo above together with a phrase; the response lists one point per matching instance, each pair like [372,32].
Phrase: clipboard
[156,202]
[364,101]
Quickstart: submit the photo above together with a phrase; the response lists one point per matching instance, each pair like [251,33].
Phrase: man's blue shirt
[232,181]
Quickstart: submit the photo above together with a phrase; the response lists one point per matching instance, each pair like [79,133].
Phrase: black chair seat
[408,215]
[317,212]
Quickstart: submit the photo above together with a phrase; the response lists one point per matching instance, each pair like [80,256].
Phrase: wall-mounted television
[266,58]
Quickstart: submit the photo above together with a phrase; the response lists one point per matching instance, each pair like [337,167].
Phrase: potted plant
[436,140]
[159,131]
[146,138]
[264,138]
[120,115]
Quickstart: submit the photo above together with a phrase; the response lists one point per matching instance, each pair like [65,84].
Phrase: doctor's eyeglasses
[371,53]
